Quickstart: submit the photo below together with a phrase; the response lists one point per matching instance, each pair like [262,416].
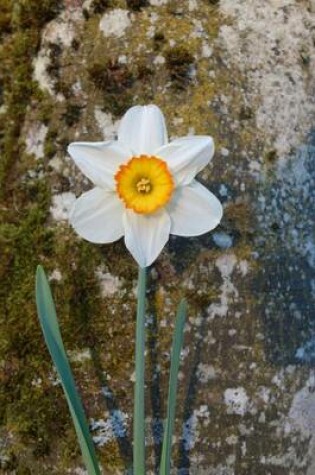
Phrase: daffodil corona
[144,186]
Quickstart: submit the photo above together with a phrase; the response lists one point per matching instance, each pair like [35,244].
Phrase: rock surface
[242,71]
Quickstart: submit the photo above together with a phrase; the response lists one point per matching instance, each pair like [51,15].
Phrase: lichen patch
[61,206]
[35,139]
[106,124]
[226,265]
[236,400]
[110,284]
[115,22]
[271,41]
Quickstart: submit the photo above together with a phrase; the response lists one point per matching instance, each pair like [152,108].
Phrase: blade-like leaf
[172,389]
[49,323]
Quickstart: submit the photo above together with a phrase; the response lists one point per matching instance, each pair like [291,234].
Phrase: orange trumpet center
[144,184]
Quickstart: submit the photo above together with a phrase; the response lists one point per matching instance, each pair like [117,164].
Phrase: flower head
[144,186]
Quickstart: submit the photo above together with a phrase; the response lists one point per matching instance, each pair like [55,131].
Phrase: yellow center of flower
[144,184]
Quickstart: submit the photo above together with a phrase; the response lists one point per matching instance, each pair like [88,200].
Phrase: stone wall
[243,72]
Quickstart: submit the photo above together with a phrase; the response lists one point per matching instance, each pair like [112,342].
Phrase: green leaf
[172,388]
[49,323]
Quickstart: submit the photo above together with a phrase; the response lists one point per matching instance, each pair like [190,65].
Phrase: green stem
[138,420]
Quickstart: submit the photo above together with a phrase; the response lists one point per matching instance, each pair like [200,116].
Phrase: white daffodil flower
[144,186]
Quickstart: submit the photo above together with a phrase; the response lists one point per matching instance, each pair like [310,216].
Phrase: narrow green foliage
[172,389]
[48,320]
[138,421]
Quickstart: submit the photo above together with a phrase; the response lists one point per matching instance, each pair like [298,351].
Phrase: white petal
[186,156]
[146,235]
[99,161]
[194,210]
[97,216]
[143,129]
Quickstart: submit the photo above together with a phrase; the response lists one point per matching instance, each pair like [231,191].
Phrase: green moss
[159,40]
[72,114]
[239,217]
[15,55]
[246,113]
[115,81]
[5,17]
[136,5]
[111,77]
[271,156]
[179,61]
[305,57]
[28,409]
[46,107]
[99,6]
[50,147]
[53,68]
[75,44]
[29,14]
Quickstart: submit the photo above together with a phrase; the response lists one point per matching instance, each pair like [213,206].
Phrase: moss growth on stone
[136,5]
[72,114]
[99,6]
[111,77]
[30,14]
[5,18]
[179,62]
[117,73]
[271,156]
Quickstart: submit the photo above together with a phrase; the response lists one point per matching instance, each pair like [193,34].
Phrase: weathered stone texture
[243,72]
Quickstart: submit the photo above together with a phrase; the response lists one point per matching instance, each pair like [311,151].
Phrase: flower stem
[138,420]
